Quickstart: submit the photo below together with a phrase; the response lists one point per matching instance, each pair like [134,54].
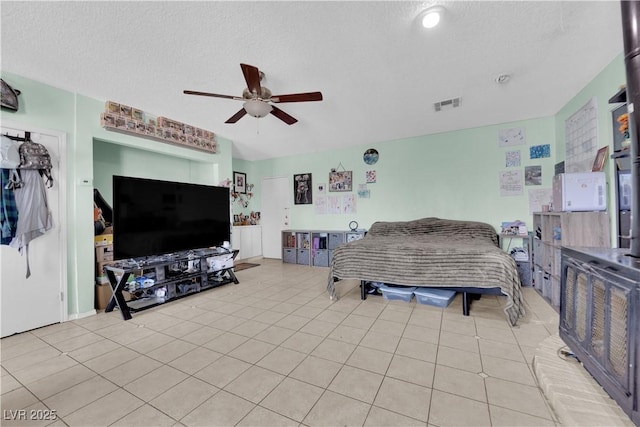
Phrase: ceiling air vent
[447,103]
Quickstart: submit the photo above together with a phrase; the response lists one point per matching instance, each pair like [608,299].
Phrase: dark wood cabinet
[600,319]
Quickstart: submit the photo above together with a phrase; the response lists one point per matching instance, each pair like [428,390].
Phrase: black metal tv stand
[168,277]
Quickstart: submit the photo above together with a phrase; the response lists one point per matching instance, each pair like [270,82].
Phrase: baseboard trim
[82,315]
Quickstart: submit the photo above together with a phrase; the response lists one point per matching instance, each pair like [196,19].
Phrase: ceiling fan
[258,99]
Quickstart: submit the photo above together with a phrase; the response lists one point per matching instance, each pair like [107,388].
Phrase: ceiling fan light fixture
[431,17]
[257,108]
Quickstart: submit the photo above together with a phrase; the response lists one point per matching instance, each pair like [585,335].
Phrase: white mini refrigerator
[585,191]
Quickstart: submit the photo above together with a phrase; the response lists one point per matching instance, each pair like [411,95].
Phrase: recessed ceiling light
[431,17]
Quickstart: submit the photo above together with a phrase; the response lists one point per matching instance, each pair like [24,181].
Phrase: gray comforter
[431,252]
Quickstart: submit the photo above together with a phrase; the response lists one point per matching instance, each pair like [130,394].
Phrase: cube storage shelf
[314,247]
[552,230]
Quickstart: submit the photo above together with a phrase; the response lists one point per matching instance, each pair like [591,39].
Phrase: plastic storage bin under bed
[400,293]
[433,296]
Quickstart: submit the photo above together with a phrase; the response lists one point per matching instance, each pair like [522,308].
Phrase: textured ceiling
[379,73]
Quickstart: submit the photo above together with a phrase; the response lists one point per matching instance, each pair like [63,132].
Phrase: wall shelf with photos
[133,121]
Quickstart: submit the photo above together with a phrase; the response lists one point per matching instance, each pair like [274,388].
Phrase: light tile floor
[275,351]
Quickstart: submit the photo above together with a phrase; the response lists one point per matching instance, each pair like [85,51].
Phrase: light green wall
[449,175]
[79,116]
[603,87]
[248,168]
[111,159]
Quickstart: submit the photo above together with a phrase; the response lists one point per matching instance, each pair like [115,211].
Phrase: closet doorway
[41,299]
[275,203]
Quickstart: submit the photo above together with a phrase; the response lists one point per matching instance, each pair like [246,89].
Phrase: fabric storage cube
[303,257]
[321,258]
[524,270]
[434,296]
[400,293]
[335,239]
[289,256]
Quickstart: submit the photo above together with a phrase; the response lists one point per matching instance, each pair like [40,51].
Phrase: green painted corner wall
[602,88]
[78,116]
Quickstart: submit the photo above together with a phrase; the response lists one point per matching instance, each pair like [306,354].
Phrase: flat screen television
[153,217]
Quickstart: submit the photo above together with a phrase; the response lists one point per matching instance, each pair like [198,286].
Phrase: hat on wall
[9,97]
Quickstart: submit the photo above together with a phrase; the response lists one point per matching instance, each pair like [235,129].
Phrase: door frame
[287,203]
[62,194]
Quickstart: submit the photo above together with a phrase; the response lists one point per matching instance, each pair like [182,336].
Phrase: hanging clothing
[34,216]
[8,208]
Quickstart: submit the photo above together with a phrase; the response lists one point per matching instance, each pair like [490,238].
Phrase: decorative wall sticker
[510,182]
[512,158]
[539,151]
[510,137]
[533,175]
[363,191]
[371,156]
[370,177]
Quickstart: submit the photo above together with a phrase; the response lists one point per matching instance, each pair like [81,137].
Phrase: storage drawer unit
[314,247]
[552,231]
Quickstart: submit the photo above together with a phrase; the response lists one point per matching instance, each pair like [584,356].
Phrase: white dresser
[248,240]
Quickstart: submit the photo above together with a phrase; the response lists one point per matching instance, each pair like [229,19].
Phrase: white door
[275,202]
[37,301]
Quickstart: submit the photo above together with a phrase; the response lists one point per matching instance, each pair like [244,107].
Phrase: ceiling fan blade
[298,97]
[237,116]
[283,116]
[215,95]
[252,77]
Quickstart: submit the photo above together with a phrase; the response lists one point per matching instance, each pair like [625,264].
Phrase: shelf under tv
[214,268]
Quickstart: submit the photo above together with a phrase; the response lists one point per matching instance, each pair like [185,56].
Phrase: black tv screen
[152,217]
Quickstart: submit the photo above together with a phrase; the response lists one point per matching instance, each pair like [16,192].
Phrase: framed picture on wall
[302,193]
[340,180]
[240,182]
[601,156]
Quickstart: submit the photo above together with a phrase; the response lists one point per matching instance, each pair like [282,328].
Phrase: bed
[432,252]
